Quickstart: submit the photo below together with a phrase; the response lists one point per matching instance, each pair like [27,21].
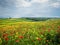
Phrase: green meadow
[29,31]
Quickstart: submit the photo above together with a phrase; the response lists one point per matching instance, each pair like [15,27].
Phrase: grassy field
[16,31]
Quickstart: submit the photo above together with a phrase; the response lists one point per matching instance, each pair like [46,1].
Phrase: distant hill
[27,19]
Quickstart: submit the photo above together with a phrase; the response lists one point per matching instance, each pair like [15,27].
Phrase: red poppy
[49,30]
[58,31]
[59,27]
[5,35]
[17,40]
[39,39]
[21,37]
[6,39]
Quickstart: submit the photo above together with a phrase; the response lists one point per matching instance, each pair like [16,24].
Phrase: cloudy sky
[29,8]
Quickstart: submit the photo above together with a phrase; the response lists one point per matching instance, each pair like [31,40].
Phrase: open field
[27,32]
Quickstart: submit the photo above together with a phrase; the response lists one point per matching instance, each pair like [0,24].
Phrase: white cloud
[40,1]
[22,3]
[56,4]
[26,4]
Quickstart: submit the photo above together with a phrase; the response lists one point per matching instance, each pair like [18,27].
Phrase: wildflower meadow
[30,33]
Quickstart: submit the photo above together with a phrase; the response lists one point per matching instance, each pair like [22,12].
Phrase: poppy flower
[20,37]
[58,31]
[5,35]
[6,39]
[59,27]
[17,40]
[39,39]
[49,30]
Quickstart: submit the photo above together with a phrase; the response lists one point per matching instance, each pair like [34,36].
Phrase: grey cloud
[7,3]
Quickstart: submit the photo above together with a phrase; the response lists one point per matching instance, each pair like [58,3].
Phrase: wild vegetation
[24,31]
